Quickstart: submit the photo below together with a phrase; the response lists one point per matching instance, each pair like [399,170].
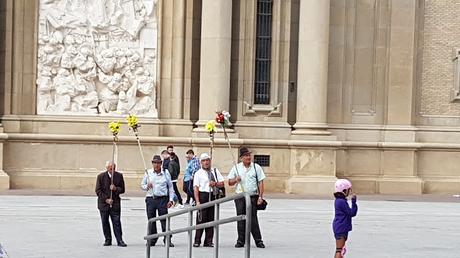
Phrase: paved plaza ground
[386,226]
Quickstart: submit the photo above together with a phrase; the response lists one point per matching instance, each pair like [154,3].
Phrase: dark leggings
[176,191]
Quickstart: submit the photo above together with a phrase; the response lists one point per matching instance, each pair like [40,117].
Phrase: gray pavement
[69,226]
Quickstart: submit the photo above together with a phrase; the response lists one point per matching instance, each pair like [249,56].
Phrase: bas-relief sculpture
[97,57]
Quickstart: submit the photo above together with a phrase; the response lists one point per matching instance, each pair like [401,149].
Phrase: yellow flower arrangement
[114,127]
[132,122]
[211,126]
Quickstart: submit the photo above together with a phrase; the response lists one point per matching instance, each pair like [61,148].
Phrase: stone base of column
[313,171]
[314,185]
[266,130]
[310,129]
[4,181]
[201,132]
[176,127]
[400,185]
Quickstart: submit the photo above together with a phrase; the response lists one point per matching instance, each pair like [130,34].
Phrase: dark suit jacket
[103,190]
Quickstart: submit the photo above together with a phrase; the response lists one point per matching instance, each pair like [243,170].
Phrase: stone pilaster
[398,178]
[312,67]
[312,169]
[216,33]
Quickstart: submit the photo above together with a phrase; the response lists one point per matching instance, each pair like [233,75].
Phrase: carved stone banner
[97,57]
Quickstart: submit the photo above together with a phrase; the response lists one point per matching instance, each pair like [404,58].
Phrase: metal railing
[190,228]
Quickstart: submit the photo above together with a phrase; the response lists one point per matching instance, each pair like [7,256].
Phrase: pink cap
[341,185]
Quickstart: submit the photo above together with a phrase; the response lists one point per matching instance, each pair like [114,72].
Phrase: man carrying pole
[251,176]
[109,185]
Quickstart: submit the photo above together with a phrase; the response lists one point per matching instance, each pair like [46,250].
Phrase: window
[263,51]
[262,160]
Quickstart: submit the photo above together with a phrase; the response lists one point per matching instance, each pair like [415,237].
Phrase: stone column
[312,169]
[312,67]
[173,63]
[216,33]
[178,53]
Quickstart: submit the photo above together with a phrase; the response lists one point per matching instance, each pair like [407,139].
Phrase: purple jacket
[343,214]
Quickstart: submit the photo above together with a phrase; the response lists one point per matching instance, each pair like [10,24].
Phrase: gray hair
[108,162]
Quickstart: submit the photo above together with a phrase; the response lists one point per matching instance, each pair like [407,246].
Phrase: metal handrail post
[190,234]
[247,248]
[148,241]
[216,230]
[168,237]
[190,228]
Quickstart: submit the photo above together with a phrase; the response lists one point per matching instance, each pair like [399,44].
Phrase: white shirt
[201,179]
[248,177]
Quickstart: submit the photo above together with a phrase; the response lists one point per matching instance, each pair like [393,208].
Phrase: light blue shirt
[248,182]
[162,185]
[193,166]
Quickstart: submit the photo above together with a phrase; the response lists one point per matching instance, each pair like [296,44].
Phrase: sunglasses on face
[156,162]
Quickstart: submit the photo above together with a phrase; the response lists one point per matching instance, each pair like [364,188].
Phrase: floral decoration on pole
[134,125]
[223,118]
[114,129]
[211,129]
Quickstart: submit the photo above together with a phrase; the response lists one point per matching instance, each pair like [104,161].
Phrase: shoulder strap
[257,179]
[215,175]
[167,175]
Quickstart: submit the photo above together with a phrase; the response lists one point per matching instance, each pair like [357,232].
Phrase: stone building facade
[319,89]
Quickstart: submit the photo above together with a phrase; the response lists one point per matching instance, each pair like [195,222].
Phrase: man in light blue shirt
[193,165]
[249,177]
[160,194]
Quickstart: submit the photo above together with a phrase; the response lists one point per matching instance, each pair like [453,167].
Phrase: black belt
[157,197]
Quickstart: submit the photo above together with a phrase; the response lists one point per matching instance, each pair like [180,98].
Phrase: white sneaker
[180,206]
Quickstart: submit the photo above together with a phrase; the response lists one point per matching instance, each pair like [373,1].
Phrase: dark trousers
[241,225]
[188,189]
[115,217]
[207,215]
[176,191]
[154,205]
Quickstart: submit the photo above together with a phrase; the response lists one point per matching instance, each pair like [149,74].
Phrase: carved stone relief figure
[92,59]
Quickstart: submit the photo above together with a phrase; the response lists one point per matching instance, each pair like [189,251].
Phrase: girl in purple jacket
[343,215]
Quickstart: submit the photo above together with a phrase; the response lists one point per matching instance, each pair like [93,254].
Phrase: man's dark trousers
[241,225]
[155,204]
[207,215]
[115,217]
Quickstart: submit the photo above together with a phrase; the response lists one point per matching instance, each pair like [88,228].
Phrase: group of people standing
[201,182]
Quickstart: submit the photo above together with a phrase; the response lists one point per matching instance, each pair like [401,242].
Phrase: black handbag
[220,190]
[264,203]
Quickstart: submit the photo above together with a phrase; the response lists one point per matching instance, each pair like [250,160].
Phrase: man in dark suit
[109,205]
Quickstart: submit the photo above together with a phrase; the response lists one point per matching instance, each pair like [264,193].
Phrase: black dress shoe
[209,245]
[239,245]
[260,245]
[170,244]
[107,243]
[196,245]
[122,244]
